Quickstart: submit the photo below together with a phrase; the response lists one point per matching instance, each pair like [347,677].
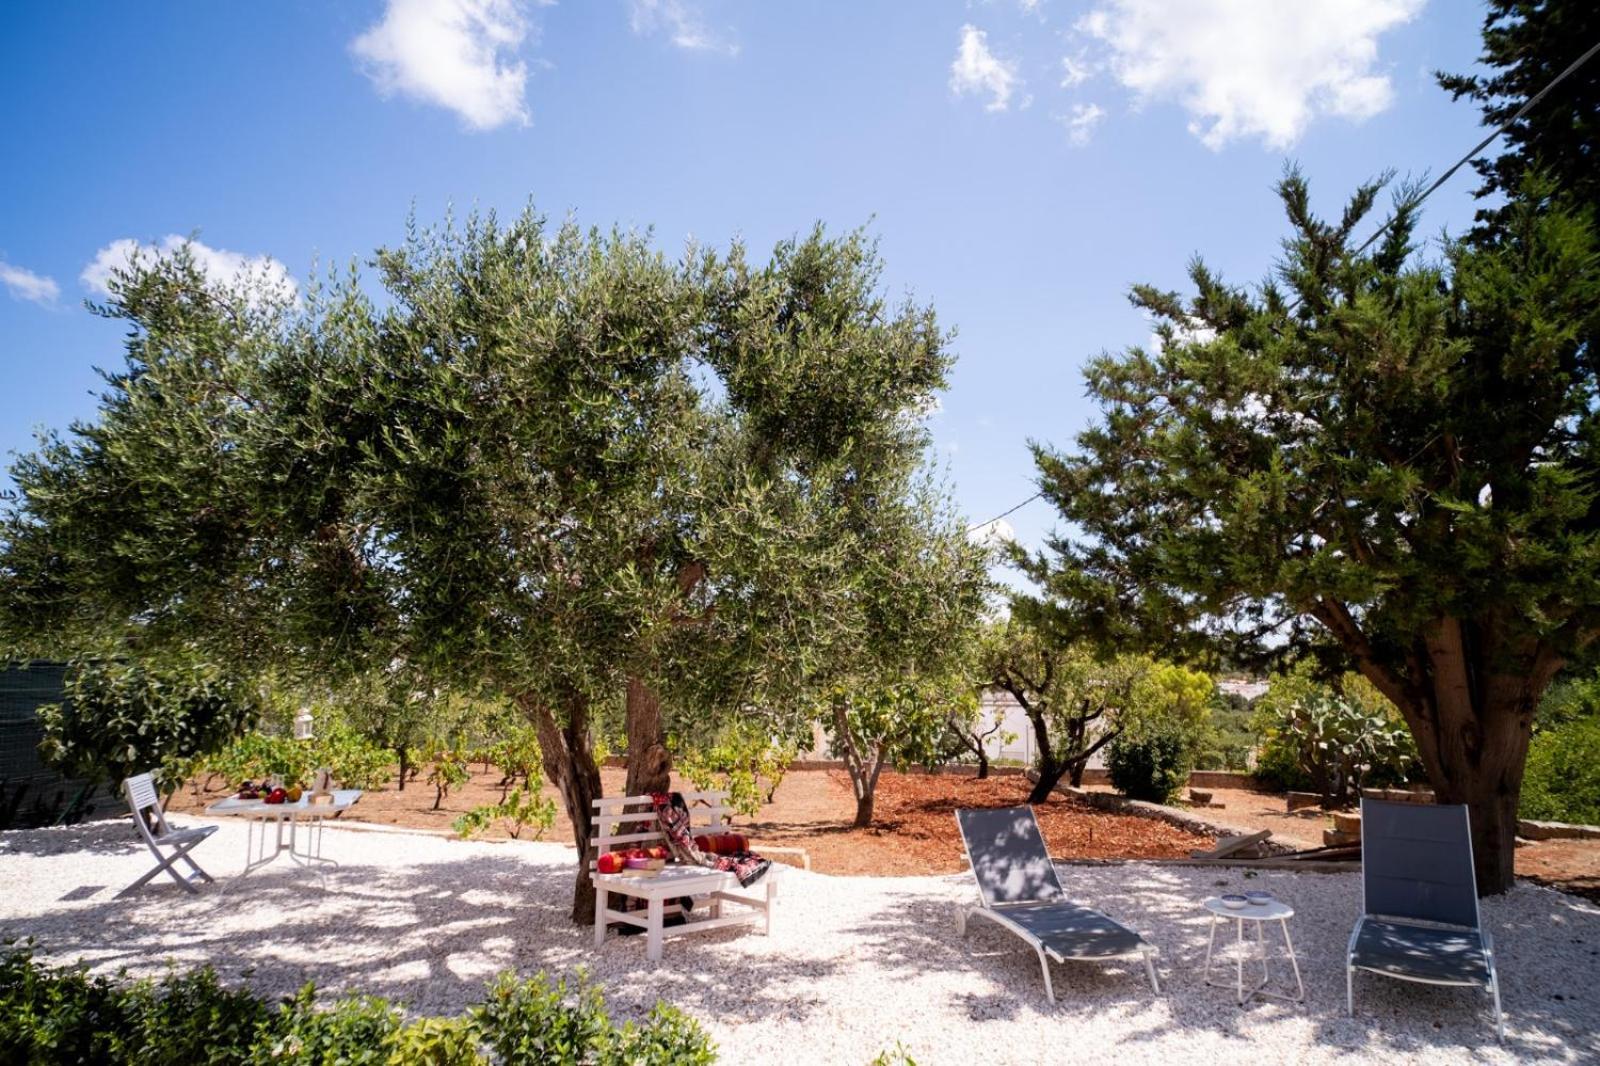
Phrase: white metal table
[673,882]
[1258,914]
[283,835]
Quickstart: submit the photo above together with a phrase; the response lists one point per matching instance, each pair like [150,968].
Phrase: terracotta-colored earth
[914,831]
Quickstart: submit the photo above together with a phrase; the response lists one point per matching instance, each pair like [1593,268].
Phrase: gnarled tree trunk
[649,761]
[1469,700]
[567,751]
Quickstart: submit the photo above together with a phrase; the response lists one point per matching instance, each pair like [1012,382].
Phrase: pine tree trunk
[567,751]
[1472,726]
[649,761]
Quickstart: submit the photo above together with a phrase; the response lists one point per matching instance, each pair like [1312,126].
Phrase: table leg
[653,937]
[599,918]
[1238,960]
[1288,945]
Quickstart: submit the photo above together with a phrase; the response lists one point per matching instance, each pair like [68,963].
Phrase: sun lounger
[1019,891]
[1419,918]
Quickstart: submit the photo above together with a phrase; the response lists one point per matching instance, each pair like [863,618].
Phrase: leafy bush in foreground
[50,1016]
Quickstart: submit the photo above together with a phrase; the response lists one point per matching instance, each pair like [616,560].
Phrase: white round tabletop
[1270,911]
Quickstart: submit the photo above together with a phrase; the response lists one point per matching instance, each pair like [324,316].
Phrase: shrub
[450,770]
[124,718]
[355,1031]
[1151,763]
[1330,740]
[50,1016]
[1561,782]
[518,810]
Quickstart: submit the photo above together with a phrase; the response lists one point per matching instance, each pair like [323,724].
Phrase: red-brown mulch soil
[914,825]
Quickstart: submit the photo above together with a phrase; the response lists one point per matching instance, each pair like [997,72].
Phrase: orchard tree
[1075,703]
[1390,452]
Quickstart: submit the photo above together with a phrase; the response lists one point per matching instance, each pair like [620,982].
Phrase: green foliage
[1151,762]
[516,753]
[50,1016]
[450,770]
[899,1056]
[354,762]
[122,718]
[1526,44]
[539,1021]
[517,810]
[436,1042]
[1562,783]
[354,1031]
[1228,739]
[1333,741]
[743,758]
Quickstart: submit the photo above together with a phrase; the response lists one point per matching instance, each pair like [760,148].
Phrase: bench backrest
[623,822]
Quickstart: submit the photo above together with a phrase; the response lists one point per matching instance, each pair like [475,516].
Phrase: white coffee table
[284,819]
[672,882]
[1258,914]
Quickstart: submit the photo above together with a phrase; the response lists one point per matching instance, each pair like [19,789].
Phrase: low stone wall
[1529,829]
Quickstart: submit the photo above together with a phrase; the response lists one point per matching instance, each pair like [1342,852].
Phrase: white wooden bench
[623,822]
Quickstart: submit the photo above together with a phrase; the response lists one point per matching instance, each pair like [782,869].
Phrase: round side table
[1258,914]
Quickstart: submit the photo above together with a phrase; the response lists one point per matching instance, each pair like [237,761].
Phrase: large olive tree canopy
[543,460]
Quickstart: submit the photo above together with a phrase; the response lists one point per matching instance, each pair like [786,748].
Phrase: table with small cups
[1258,909]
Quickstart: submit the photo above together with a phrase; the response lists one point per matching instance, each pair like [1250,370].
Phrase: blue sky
[1021,162]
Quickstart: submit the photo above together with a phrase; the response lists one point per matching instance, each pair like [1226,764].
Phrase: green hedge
[1562,779]
[1151,764]
[64,1015]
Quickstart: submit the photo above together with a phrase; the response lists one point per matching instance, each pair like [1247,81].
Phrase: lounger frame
[997,913]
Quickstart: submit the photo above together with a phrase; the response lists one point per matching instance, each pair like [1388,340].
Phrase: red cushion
[722,843]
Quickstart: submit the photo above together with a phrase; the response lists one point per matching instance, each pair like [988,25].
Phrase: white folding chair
[146,806]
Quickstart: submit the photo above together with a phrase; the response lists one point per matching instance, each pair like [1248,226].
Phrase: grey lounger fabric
[1019,890]
[1420,901]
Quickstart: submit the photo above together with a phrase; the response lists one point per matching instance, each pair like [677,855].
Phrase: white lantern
[302,724]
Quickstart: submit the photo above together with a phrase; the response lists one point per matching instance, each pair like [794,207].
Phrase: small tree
[899,724]
[1075,703]
[123,718]
[969,732]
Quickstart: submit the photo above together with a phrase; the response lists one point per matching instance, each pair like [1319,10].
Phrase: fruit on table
[277,795]
[294,794]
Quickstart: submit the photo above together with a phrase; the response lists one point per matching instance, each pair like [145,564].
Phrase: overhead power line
[1572,68]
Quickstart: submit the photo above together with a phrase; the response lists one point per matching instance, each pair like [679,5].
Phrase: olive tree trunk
[567,752]
[649,761]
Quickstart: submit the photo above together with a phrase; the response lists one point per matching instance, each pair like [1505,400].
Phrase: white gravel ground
[854,964]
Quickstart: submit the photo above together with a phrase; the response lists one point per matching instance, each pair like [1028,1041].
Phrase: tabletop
[1271,911]
[343,800]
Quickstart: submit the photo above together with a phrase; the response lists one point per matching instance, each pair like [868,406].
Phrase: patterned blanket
[673,814]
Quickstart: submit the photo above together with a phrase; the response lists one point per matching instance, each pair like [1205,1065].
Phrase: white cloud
[1252,68]
[458,54]
[1075,70]
[1082,122]
[682,23]
[26,285]
[978,70]
[222,268]
[993,533]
